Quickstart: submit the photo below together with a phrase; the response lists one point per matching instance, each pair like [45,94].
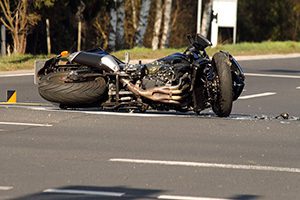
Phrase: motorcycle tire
[222,106]
[53,88]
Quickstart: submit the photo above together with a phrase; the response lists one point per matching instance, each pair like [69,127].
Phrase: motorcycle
[188,81]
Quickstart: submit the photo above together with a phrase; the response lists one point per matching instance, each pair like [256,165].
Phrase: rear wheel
[222,105]
[53,87]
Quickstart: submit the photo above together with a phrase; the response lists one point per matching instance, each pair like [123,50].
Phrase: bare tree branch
[18,22]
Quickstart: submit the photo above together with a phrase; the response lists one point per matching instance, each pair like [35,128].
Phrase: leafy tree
[268,20]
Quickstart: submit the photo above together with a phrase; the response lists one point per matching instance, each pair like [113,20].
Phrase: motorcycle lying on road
[188,81]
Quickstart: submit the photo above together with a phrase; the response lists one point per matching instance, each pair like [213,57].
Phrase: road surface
[46,153]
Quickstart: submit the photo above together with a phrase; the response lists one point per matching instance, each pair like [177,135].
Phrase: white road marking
[5,188]
[147,114]
[84,192]
[273,75]
[257,95]
[25,124]
[209,165]
[16,75]
[24,104]
[298,87]
[172,197]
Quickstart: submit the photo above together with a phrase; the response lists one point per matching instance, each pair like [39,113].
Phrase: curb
[268,56]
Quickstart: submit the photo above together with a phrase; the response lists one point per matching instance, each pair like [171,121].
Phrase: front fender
[238,78]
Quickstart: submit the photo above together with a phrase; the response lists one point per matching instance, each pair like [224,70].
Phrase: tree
[167,19]
[120,24]
[206,19]
[116,35]
[79,17]
[296,13]
[279,22]
[157,24]
[100,29]
[143,22]
[162,17]
[18,21]
[113,24]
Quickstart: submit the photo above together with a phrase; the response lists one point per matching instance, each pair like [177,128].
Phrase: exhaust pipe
[163,94]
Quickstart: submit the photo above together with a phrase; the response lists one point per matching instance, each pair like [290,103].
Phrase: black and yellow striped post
[11,96]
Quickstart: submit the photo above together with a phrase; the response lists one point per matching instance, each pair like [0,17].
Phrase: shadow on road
[93,193]
[108,193]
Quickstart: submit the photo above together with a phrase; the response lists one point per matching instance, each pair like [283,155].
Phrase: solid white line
[209,165]
[25,124]
[173,114]
[24,104]
[272,75]
[6,187]
[172,197]
[15,75]
[257,95]
[129,114]
[84,192]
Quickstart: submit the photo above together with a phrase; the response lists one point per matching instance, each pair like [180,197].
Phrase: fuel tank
[99,59]
[174,59]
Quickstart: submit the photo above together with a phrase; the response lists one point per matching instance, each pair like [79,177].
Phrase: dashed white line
[25,124]
[84,192]
[298,87]
[273,75]
[257,95]
[209,165]
[5,188]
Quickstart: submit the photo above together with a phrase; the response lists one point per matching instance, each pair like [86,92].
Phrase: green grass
[246,48]
[19,62]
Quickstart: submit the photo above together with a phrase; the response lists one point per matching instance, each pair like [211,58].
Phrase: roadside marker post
[38,64]
[11,96]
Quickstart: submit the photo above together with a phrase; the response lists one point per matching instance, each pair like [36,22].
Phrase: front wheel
[222,105]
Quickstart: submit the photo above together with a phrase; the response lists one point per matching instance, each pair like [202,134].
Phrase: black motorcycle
[188,81]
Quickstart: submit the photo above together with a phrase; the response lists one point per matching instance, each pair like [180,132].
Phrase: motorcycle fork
[211,83]
[117,88]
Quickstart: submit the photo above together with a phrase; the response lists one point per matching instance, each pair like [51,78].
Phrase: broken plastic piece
[283,116]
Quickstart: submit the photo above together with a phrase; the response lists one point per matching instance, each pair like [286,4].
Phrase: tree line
[119,24]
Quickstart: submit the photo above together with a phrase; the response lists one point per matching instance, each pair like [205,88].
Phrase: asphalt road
[46,153]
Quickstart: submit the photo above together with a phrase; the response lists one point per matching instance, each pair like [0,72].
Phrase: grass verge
[240,49]
[21,62]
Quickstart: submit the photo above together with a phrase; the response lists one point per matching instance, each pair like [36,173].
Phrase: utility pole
[79,36]
[79,16]
[3,40]
[48,36]
[199,16]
